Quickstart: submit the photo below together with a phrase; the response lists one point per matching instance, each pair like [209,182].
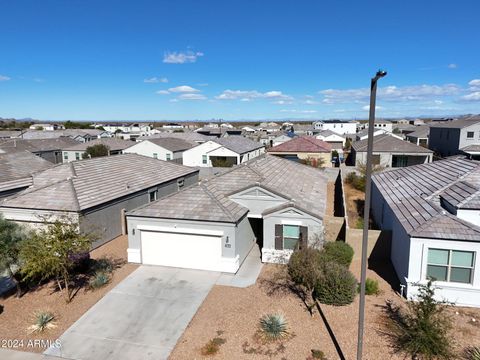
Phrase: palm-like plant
[273,327]
[43,321]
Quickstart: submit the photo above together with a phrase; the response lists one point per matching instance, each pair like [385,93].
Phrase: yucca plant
[43,321]
[100,279]
[472,353]
[273,327]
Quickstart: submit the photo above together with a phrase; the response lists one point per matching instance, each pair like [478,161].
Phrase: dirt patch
[330,198]
[355,200]
[18,313]
[236,312]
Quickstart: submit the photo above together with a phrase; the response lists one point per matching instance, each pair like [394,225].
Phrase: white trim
[134,256]
[257,216]
[291,222]
[180,230]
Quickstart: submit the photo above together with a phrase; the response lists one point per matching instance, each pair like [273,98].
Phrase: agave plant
[100,279]
[472,353]
[43,321]
[273,327]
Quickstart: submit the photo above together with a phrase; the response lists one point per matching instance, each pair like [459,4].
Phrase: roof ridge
[214,198]
[75,194]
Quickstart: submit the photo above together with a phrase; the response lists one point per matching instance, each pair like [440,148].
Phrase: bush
[43,321]
[371,287]
[472,353]
[336,286]
[213,346]
[304,267]
[273,327]
[318,354]
[338,252]
[80,261]
[102,265]
[356,181]
[99,279]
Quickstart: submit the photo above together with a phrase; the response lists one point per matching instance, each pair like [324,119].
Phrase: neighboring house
[280,139]
[433,213]
[16,171]
[48,149]
[9,134]
[169,149]
[248,130]
[363,134]
[331,137]
[47,127]
[213,225]
[115,147]
[128,127]
[232,150]
[419,136]
[304,148]
[452,137]
[382,124]
[97,192]
[172,126]
[189,136]
[217,132]
[86,135]
[389,151]
[339,126]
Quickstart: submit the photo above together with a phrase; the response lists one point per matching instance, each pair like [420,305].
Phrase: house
[382,124]
[280,139]
[48,149]
[169,149]
[10,134]
[389,151]
[419,136]
[172,126]
[74,153]
[339,126]
[228,151]
[218,131]
[452,137]
[97,192]
[128,127]
[47,127]
[189,136]
[249,130]
[86,135]
[433,213]
[331,137]
[304,148]
[16,169]
[213,225]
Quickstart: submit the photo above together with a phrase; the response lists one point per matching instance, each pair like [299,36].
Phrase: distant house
[339,126]
[433,213]
[172,126]
[336,140]
[47,126]
[189,136]
[140,128]
[249,129]
[389,151]
[419,136]
[16,170]
[280,139]
[218,131]
[75,153]
[97,192]
[304,148]
[382,124]
[169,149]
[232,150]
[9,134]
[454,137]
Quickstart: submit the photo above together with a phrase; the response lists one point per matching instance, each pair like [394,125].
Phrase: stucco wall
[386,158]
[193,156]
[472,216]
[445,141]
[146,148]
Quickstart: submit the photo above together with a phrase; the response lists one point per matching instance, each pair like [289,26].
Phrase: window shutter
[303,237]
[278,237]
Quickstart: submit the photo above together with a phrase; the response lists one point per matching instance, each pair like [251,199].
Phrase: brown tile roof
[307,144]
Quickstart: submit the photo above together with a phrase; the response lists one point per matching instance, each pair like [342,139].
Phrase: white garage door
[181,250]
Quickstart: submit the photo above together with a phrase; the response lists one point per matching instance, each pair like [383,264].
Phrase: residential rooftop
[307,144]
[172,144]
[239,144]
[36,145]
[113,143]
[388,143]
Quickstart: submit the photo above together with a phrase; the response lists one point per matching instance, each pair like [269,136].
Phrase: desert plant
[318,354]
[213,346]
[97,150]
[337,251]
[422,328]
[336,286]
[371,287]
[102,265]
[472,353]
[99,279]
[43,320]
[273,327]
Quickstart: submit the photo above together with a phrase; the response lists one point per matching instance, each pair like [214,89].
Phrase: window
[291,235]
[204,159]
[450,265]
[77,156]
[470,134]
[65,156]
[169,156]
[155,155]
[153,195]
[180,183]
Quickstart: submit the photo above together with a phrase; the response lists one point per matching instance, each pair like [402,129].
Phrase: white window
[291,235]
[450,265]
[155,155]
[65,156]
[204,159]
[153,195]
[169,156]
[180,183]
[77,156]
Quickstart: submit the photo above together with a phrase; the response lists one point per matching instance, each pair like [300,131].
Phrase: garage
[185,250]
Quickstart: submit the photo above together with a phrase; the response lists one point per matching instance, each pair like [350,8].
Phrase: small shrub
[337,285]
[99,279]
[102,265]
[356,181]
[80,261]
[472,353]
[43,320]
[273,327]
[371,287]
[318,354]
[338,252]
[213,346]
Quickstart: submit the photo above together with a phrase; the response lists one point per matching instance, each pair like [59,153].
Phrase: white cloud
[452,66]
[298,111]
[4,78]
[474,96]
[183,89]
[310,102]
[181,57]
[367,108]
[438,102]
[163,92]
[173,100]
[474,85]
[253,94]
[192,97]
[282,102]
[156,80]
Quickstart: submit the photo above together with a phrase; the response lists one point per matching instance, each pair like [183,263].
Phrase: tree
[50,253]
[348,143]
[396,131]
[422,328]
[11,237]
[96,151]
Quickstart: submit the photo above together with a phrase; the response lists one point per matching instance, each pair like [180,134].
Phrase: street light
[366,210]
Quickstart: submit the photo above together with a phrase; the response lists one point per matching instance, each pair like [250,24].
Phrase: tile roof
[36,145]
[304,187]
[387,143]
[187,136]
[413,193]
[112,143]
[329,133]
[306,144]
[471,148]
[84,184]
[239,144]
[173,144]
[457,124]
[421,131]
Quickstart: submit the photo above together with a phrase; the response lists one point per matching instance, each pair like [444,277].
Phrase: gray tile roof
[329,132]
[173,144]
[112,143]
[304,187]
[387,143]
[16,169]
[239,144]
[83,184]
[413,193]
[187,136]
[457,124]
[36,145]
[422,131]
[471,148]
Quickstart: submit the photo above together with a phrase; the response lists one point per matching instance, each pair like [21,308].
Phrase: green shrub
[105,265]
[356,181]
[213,346]
[304,267]
[371,287]
[99,279]
[318,354]
[336,286]
[472,353]
[273,327]
[43,320]
[338,252]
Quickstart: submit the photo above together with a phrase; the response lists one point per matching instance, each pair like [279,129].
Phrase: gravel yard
[18,313]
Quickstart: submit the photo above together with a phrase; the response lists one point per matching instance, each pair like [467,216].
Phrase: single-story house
[218,132]
[97,192]
[363,134]
[213,225]
[433,213]
[419,136]
[280,139]
[389,151]
[189,136]
[332,138]
[304,148]
[223,152]
[169,149]
[16,169]
[48,149]
[115,147]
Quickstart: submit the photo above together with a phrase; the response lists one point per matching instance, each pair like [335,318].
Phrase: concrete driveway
[141,318]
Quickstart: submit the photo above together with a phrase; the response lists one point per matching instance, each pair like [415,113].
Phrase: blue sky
[187,60]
